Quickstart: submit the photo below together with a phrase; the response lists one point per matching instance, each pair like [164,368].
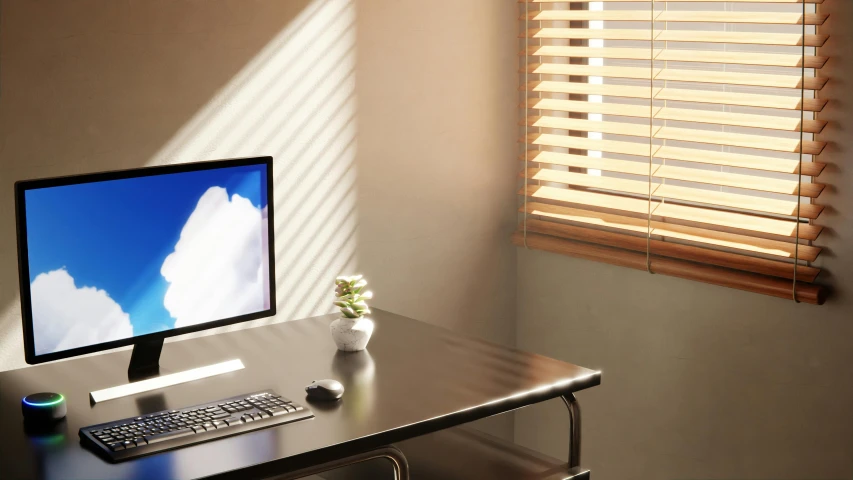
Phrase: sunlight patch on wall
[11,341]
[295,101]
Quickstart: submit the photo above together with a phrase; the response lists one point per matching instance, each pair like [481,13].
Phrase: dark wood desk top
[414,378]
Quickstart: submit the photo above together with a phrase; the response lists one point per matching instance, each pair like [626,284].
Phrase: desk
[413,379]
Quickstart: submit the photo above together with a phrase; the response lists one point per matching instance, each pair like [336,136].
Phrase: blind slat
[684,1]
[713,177]
[737,160]
[733,241]
[734,180]
[759,142]
[668,191]
[789,124]
[727,159]
[680,55]
[777,18]
[749,38]
[781,102]
[682,134]
[696,76]
[733,220]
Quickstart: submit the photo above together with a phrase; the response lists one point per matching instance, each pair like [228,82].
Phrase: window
[676,137]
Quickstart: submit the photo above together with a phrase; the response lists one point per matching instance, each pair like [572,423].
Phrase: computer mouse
[325,390]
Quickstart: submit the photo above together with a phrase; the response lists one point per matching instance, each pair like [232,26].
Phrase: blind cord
[524,118]
[651,139]
[800,166]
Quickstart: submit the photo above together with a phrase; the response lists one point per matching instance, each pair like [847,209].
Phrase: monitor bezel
[22,186]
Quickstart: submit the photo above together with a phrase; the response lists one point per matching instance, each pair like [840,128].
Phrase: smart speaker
[43,407]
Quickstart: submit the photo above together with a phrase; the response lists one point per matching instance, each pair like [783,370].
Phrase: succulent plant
[350,296]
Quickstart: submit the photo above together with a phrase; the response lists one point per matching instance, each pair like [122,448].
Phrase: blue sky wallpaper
[121,258]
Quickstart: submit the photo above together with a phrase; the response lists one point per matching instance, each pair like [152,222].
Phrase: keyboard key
[232,421]
[275,411]
[247,419]
[128,444]
[139,441]
[219,424]
[162,437]
[198,428]
[117,446]
[207,425]
[220,415]
[108,440]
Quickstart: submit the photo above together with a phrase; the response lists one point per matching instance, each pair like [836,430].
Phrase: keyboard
[156,432]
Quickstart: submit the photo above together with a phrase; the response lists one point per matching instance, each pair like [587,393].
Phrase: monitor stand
[145,360]
[144,373]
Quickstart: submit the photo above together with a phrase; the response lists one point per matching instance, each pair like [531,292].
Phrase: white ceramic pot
[351,334]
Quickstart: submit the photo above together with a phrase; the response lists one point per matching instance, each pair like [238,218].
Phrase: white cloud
[219,267]
[65,316]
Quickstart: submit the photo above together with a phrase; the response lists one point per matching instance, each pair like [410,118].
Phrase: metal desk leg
[574,429]
[398,460]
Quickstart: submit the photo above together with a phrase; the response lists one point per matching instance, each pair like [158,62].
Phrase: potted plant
[352,331]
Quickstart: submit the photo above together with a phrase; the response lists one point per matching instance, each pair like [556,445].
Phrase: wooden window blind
[677,137]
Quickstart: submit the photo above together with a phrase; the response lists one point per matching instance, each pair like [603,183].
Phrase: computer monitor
[134,256]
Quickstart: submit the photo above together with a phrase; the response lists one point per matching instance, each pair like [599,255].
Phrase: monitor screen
[112,257]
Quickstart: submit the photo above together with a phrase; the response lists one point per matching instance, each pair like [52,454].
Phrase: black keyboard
[169,429]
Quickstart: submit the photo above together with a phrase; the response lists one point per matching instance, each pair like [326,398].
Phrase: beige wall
[437,104]
[387,121]
[436,163]
[702,382]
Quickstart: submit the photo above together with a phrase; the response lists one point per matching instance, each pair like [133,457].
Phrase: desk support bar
[390,452]
[574,429]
